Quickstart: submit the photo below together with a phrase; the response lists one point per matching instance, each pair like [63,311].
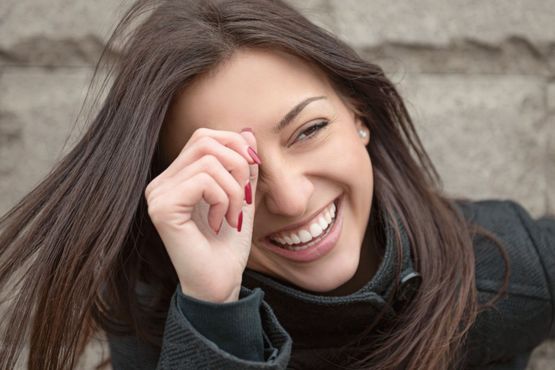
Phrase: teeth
[323,223]
[305,236]
[316,228]
[303,247]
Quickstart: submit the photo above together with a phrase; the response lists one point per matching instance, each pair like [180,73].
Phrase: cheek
[348,161]
[254,262]
[260,261]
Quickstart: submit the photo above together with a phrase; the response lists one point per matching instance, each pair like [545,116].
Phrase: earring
[362,133]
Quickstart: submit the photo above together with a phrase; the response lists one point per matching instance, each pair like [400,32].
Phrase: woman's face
[318,159]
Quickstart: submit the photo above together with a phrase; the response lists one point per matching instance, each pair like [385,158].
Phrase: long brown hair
[77,250]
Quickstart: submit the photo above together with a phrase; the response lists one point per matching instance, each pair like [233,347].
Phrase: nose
[286,190]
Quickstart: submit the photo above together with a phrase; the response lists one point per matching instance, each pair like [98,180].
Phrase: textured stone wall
[478,78]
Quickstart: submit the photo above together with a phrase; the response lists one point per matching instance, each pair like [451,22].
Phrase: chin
[330,278]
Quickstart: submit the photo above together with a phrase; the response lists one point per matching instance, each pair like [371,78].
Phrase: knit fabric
[241,334]
[314,327]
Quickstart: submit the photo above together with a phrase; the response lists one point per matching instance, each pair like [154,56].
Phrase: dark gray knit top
[277,326]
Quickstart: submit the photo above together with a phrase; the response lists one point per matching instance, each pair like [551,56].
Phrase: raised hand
[209,182]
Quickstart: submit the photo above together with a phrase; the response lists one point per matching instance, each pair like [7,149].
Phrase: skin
[300,172]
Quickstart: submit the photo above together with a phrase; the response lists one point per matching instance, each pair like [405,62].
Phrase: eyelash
[313,129]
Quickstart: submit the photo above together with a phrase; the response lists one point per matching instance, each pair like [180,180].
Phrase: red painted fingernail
[254,156]
[247,129]
[240,221]
[248,192]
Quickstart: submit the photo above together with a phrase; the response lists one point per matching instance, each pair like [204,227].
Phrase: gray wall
[478,76]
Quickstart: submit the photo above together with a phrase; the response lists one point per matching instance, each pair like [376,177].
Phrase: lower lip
[317,250]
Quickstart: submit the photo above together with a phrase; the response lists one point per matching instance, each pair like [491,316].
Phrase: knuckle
[222,199]
[242,173]
[225,200]
[205,142]
[245,169]
[239,166]
[155,213]
[237,191]
[237,188]
[204,179]
[202,131]
[199,133]
[148,192]
[210,160]
[239,137]
[152,187]
[240,162]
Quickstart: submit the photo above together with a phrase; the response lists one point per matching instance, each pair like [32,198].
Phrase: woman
[253,195]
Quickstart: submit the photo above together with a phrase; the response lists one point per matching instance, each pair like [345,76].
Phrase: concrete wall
[478,76]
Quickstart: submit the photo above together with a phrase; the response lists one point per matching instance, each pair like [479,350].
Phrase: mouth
[312,240]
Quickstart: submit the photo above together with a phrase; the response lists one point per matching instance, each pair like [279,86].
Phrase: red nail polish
[254,156]
[240,221]
[248,192]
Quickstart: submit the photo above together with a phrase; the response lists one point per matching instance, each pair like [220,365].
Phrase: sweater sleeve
[196,336]
[542,232]
[234,327]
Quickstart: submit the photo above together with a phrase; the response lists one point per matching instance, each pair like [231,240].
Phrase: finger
[203,186]
[232,161]
[163,207]
[253,168]
[250,138]
[210,165]
[230,139]
[217,211]
[233,188]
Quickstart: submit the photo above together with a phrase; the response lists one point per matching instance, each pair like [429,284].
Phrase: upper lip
[303,222]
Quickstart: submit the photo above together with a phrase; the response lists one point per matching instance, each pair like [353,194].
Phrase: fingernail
[248,192]
[219,228]
[240,221]
[247,129]
[254,156]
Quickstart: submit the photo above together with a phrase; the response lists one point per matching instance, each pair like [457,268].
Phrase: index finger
[229,139]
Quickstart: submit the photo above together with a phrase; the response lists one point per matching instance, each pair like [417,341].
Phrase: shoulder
[526,241]
[523,318]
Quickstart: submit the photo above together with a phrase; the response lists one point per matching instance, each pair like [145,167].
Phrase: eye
[311,131]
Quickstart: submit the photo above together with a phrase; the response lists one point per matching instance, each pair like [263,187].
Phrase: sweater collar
[303,313]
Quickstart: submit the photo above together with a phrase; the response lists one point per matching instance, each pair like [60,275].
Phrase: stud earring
[362,133]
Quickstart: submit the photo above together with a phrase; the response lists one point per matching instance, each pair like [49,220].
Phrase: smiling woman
[253,195]
[301,173]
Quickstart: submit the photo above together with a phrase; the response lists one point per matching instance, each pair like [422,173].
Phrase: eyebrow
[289,117]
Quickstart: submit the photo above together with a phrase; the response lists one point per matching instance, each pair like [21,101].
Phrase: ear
[360,126]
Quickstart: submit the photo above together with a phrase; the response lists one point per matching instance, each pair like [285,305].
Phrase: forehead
[252,87]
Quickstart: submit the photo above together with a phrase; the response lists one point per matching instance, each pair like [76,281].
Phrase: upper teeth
[312,230]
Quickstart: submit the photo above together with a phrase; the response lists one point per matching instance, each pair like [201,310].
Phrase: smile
[304,236]
[312,240]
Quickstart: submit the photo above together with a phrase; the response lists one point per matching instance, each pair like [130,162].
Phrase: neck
[369,261]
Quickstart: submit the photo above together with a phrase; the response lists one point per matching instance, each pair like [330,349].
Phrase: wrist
[206,296]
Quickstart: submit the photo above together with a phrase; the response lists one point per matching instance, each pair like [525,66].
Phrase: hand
[188,203]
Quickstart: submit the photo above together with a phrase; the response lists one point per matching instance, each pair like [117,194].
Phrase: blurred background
[478,78]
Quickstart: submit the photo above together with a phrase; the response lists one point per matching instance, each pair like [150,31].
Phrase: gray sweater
[276,326]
